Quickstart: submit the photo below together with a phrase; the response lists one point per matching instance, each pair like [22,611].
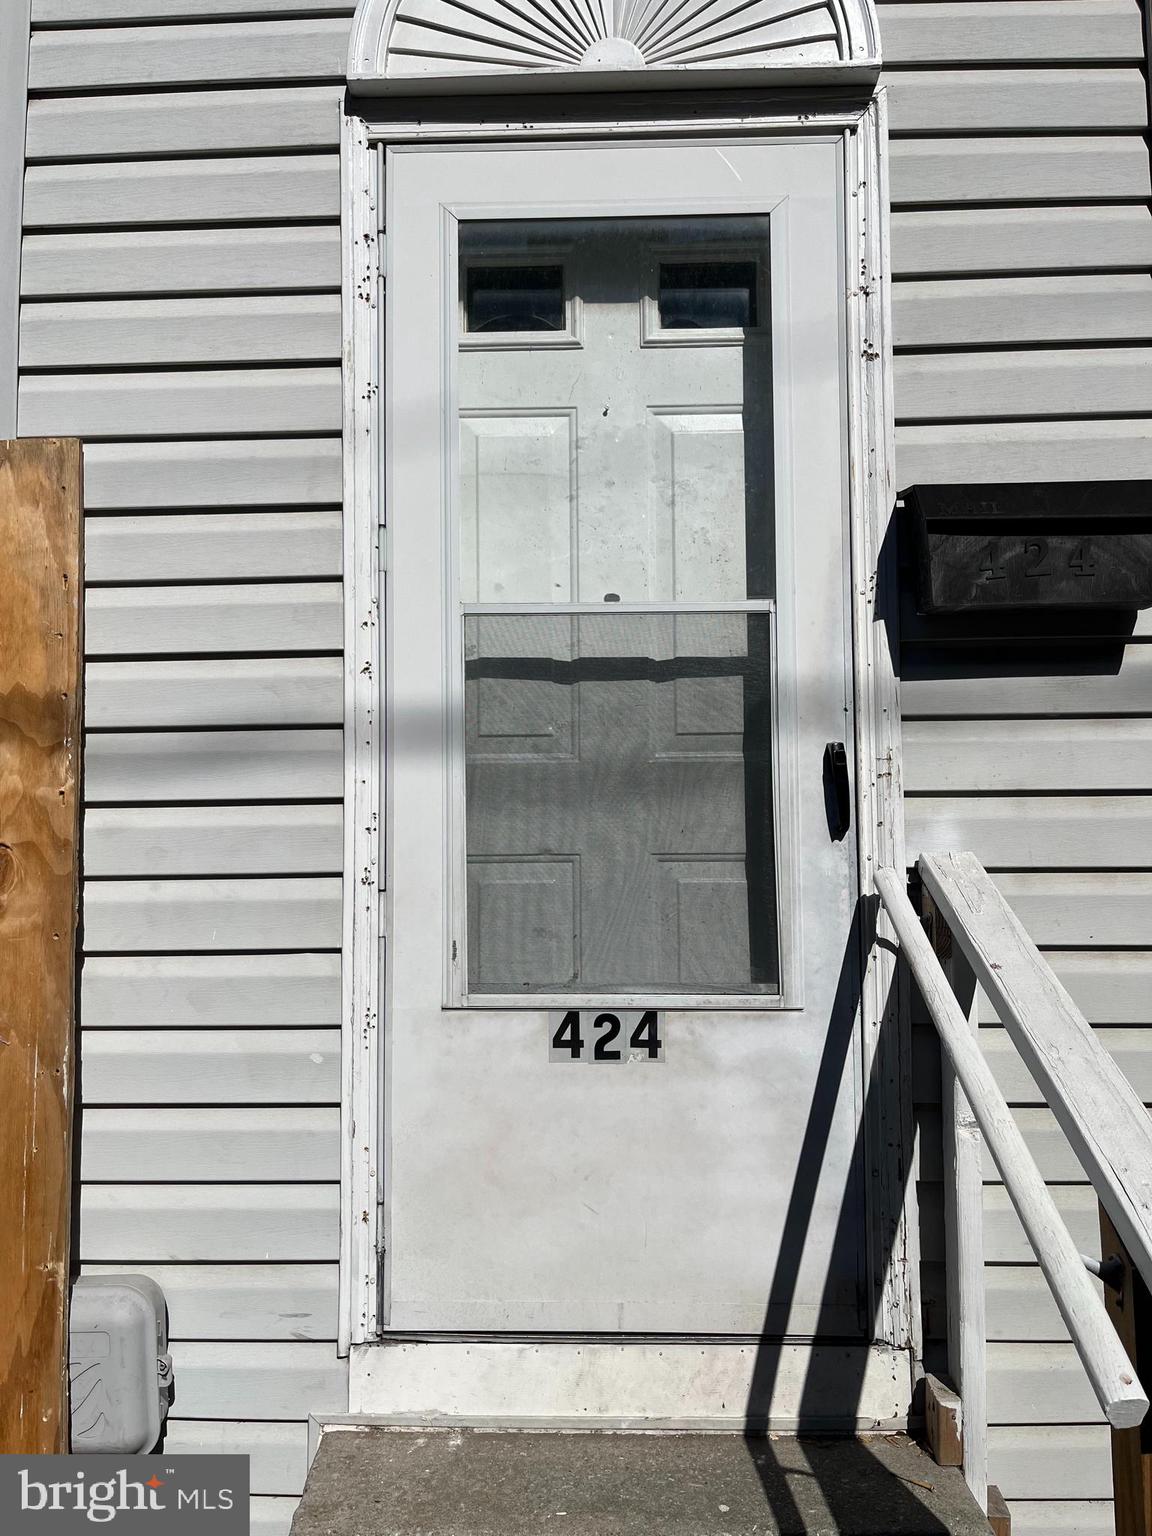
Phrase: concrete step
[406,1481]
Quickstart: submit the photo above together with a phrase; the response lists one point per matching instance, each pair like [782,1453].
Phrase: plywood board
[41,556]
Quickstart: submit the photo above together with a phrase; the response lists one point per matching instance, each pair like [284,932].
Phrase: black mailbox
[1074,544]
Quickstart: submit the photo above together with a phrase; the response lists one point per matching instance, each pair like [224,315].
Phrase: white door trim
[879,819]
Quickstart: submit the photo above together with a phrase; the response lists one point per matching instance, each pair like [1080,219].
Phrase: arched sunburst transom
[429,45]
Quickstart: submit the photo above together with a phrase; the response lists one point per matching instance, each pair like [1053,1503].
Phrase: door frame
[892,1259]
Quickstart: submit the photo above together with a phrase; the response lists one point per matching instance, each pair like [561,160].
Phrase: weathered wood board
[41,557]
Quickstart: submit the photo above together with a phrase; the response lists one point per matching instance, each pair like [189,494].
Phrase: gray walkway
[475,1482]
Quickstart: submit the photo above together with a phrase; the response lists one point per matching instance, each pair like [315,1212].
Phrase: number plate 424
[583,1034]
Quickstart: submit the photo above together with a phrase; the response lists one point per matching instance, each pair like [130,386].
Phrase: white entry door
[622,1062]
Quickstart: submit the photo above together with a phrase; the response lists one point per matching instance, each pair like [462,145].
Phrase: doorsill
[791,1387]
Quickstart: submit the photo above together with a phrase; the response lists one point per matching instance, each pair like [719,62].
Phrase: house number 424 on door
[596,1035]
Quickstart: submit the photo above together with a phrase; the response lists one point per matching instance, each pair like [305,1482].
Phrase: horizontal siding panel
[126,333]
[183,122]
[227,1146]
[277,1453]
[77,12]
[183,191]
[271,1516]
[1022,31]
[1039,1384]
[173,620]
[207,1066]
[1066,1461]
[189,402]
[210,991]
[1020,1307]
[103,57]
[1050,1518]
[189,1223]
[1021,451]
[155,56]
[1042,1136]
[213,765]
[146,694]
[977,240]
[163,915]
[1109,987]
[245,1301]
[942,756]
[258,1380]
[1004,1239]
[999,311]
[180,261]
[225,546]
[1019,169]
[1035,833]
[1095,910]
[213,840]
[951,101]
[244,473]
[969,681]
[1131,1049]
[1081,381]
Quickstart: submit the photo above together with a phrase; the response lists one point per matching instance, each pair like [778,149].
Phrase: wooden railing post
[40,701]
[964,1229]
[1130,1308]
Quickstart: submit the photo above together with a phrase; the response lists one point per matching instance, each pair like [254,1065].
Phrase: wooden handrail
[1095,1105]
[1109,1370]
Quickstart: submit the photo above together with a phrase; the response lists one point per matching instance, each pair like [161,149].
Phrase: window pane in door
[620,803]
[633,462]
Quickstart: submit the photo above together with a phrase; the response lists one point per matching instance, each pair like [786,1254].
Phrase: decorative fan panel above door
[437,45]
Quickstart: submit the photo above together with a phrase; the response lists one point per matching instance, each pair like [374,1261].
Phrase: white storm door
[616,618]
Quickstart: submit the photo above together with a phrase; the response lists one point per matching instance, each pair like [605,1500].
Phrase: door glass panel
[618,765]
[513,298]
[634,462]
[707,295]
[619,803]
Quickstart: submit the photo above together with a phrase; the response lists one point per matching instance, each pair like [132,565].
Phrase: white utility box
[119,1367]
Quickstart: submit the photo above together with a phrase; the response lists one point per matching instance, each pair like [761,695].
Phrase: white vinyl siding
[1022,305]
[181,313]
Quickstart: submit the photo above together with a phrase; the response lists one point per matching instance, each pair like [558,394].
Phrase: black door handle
[837,789]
